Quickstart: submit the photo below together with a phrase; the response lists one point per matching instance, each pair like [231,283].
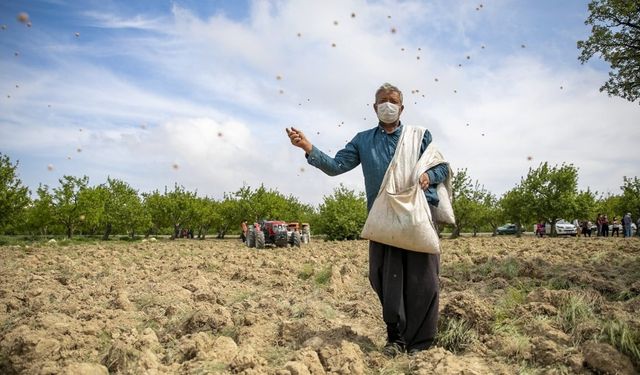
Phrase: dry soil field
[508,306]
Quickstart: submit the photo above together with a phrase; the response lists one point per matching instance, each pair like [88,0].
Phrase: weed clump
[622,337]
[455,335]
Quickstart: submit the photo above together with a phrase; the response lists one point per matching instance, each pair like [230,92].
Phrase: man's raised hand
[298,139]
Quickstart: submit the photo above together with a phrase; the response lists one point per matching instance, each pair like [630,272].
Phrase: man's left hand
[424,181]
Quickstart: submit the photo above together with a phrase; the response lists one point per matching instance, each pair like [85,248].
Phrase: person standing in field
[616,227]
[406,281]
[626,224]
[605,226]
[245,229]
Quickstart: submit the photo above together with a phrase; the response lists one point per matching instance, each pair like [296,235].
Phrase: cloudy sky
[199,92]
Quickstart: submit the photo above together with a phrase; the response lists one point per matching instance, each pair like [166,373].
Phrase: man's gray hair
[388,87]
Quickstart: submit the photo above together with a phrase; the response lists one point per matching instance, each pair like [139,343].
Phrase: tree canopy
[615,36]
[114,207]
[13,195]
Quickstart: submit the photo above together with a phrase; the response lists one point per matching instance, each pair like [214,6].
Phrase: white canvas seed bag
[400,215]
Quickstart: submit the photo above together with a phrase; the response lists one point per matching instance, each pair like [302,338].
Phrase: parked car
[563,228]
[508,229]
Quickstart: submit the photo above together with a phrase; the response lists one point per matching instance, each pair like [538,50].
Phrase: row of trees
[114,207]
[546,193]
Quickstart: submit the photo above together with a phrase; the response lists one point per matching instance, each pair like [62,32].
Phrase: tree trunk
[518,230]
[69,231]
[456,232]
[107,232]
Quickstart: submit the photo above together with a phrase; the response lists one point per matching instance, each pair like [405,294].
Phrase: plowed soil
[521,305]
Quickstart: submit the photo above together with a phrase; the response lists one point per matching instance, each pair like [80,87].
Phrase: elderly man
[406,281]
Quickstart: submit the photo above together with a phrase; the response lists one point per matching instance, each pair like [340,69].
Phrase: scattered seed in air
[23,17]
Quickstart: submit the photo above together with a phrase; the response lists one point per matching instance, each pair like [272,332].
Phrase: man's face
[388,96]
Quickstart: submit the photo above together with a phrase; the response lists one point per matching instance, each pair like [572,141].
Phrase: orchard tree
[342,214]
[630,196]
[615,36]
[473,206]
[153,207]
[14,197]
[39,215]
[491,213]
[92,202]
[123,209]
[516,206]
[585,205]
[66,202]
[461,186]
[179,208]
[552,191]
[207,215]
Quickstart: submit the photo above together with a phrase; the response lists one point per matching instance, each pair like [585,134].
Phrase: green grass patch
[509,268]
[212,367]
[455,335]
[505,308]
[324,275]
[573,310]
[306,272]
[277,356]
[559,283]
[242,296]
[623,338]
[229,331]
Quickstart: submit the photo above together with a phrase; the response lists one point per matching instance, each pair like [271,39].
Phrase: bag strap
[409,138]
[392,164]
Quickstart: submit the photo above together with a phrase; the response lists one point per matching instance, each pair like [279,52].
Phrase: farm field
[508,305]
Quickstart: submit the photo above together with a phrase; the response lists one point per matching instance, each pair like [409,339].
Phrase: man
[626,224]
[406,282]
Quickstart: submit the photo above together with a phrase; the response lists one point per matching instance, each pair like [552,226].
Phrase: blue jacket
[374,149]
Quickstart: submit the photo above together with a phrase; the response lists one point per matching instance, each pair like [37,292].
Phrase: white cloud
[190,77]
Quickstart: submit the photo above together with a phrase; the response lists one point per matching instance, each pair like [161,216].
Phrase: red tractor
[272,233]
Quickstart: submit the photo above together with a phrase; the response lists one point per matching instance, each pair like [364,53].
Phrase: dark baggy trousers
[407,284]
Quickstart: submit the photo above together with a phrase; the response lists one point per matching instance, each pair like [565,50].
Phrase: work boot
[393,349]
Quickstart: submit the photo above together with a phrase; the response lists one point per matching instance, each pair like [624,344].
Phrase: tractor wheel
[251,239]
[295,239]
[260,240]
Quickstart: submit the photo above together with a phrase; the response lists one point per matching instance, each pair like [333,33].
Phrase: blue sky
[158,92]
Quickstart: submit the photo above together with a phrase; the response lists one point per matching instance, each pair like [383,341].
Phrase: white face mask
[388,112]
